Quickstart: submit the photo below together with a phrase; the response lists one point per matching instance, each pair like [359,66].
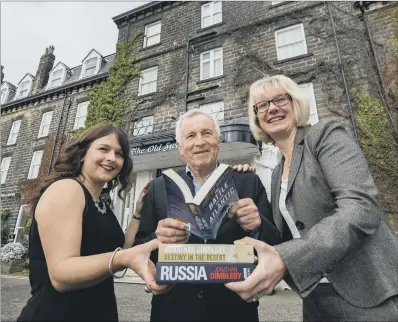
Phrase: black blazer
[206,302]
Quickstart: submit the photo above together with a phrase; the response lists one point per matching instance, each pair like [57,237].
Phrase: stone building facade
[35,119]
[200,55]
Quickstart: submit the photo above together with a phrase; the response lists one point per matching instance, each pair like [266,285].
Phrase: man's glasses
[278,101]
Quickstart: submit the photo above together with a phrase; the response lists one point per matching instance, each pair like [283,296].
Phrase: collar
[190,173]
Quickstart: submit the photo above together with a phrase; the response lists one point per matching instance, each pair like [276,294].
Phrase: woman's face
[276,117]
[104,159]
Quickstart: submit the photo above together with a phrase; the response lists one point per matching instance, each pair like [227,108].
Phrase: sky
[73,28]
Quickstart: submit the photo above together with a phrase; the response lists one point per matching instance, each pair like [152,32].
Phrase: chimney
[43,71]
[2,74]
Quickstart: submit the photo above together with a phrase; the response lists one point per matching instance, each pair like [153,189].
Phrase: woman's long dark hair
[69,164]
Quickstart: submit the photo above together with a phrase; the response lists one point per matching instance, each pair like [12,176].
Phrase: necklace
[102,209]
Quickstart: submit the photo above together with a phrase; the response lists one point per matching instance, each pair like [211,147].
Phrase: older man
[198,138]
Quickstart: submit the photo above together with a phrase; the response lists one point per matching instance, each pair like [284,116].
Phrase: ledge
[210,79]
[150,47]
[277,62]
[210,27]
[146,95]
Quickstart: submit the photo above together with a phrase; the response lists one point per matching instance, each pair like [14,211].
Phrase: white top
[289,220]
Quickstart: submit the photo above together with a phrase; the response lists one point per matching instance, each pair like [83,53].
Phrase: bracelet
[110,263]
[135,217]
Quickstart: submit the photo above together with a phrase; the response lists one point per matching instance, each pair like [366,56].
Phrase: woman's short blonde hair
[301,109]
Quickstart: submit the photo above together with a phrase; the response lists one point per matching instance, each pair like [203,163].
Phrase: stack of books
[204,263]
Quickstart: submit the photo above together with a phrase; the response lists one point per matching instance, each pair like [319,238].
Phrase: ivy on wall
[109,103]
[376,139]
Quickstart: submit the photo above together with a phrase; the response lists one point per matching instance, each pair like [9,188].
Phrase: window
[211,64]
[12,138]
[215,109]
[276,2]
[211,13]
[152,34]
[5,165]
[148,81]
[56,78]
[4,95]
[290,42]
[90,66]
[45,124]
[22,222]
[309,91]
[81,115]
[143,126]
[35,164]
[23,89]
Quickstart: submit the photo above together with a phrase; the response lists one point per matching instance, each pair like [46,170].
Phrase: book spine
[206,253]
[202,273]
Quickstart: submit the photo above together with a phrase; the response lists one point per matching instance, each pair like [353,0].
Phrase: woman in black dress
[76,243]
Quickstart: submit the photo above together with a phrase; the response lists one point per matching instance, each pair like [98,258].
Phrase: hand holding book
[172,231]
[246,213]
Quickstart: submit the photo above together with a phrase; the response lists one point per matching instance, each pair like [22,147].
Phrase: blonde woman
[337,253]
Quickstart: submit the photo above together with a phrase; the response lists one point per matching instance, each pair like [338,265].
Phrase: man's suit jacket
[333,200]
[206,302]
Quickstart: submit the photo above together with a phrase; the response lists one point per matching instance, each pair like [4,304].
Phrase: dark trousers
[325,304]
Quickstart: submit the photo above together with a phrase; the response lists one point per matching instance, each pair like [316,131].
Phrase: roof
[73,79]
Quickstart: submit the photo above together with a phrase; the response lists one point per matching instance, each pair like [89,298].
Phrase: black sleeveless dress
[101,233]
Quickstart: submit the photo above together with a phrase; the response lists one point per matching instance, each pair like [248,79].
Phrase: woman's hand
[243,168]
[140,201]
[269,271]
[138,259]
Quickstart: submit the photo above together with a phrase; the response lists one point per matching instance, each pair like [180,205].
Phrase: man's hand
[268,272]
[246,213]
[243,168]
[172,231]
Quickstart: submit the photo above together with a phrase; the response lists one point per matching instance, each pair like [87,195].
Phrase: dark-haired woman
[76,243]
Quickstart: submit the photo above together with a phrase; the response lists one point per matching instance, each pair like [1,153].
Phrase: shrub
[13,251]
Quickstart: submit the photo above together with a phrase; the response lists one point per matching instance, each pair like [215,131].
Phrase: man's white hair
[192,113]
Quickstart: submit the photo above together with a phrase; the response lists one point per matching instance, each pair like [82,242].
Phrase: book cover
[202,273]
[204,212]
[216,253]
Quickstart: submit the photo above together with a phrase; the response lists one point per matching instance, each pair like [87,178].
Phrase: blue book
[203,213]
[202,273]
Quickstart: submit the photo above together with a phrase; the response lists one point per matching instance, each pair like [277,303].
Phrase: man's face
[199,142]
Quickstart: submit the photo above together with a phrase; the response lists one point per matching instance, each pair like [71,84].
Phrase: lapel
[275,194]
[296,157]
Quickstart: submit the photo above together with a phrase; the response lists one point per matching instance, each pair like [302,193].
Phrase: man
[198,139]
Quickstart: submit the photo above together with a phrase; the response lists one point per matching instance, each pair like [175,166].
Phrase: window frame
[312,102]
[51,78]
[42,125]
[18,227]
[212,13]
[146,37]
[4,97]
[13,132]
[277,46]
[140,121]
[28,88]
[2,171]
[211,60]
[203,107]
[30,174]
[140,83]
[77,117]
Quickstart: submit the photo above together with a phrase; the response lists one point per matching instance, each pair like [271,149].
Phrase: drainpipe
[341,67]
[378,69]
[58,127]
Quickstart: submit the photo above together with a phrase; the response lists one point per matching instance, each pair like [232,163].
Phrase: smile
[107,167]
[275,119]
[201,152]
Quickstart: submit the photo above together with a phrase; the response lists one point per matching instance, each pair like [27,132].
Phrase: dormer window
[57,76]
[4,95]
[91,64]
[24,87]
[90,67]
